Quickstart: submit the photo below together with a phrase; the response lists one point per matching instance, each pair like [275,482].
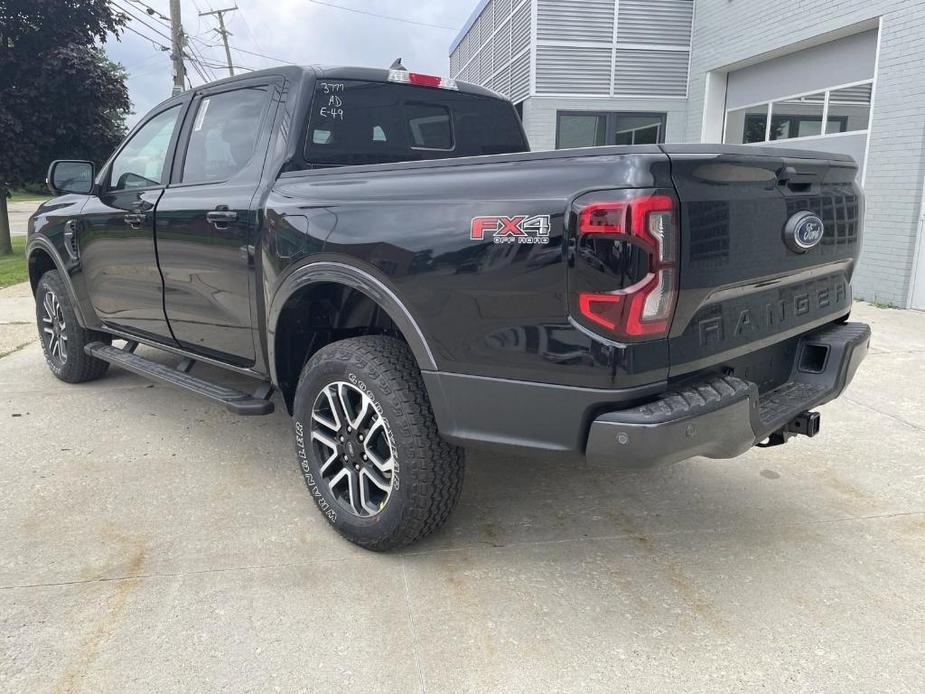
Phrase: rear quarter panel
[486,308]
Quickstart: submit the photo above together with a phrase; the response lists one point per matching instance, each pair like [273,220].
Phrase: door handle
[134,220]
[220,219]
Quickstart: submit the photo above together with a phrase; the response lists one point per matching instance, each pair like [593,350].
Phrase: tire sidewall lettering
[313,488]
[396,472]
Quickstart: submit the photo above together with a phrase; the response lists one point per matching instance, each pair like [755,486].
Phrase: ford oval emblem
[803,231]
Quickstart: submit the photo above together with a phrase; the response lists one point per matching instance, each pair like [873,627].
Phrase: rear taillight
[625,262]
[421,79]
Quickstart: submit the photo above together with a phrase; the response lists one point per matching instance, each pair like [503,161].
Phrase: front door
[116,237]
[206,222]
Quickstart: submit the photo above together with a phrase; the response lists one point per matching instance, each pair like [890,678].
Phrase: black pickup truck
[381,249]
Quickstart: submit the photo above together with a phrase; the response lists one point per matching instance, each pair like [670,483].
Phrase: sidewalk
[17,318]
[19,215]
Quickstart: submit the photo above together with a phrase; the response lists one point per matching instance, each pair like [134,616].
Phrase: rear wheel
[368,445]
[63,339]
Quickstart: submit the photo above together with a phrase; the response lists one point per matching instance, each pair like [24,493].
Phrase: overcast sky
[296,31]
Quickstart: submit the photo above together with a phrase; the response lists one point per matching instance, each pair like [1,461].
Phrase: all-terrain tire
[427,478]
[62,337]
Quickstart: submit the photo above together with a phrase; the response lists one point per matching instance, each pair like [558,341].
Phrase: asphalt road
[152,542]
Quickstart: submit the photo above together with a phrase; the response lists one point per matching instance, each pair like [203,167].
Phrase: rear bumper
[724,416]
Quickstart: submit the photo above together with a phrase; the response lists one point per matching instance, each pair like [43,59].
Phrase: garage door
[818,98]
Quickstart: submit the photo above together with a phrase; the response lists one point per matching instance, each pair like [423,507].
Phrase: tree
[60,96]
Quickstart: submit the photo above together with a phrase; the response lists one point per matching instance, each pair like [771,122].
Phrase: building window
[842,109]
[600,128]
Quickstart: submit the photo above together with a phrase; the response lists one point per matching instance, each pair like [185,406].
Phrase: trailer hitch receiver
[804,424]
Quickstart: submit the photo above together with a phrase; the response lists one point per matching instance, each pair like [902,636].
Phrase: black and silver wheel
[353,443]
[54,327]
[63,339]
[368,445]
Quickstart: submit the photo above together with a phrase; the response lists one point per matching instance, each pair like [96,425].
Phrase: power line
[242,50]
[147,38]
[128,13]
[261,55]
[200,70]
[384,16]
[152,12]
[200,59]
[250,33]
[223,32]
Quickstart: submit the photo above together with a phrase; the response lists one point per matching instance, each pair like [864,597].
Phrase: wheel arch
[360,294]
[41,257]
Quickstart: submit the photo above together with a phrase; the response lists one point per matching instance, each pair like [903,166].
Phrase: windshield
[358,122]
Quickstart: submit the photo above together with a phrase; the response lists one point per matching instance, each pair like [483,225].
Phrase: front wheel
[368,445]
[63,338]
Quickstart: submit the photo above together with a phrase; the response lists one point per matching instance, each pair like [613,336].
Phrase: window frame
[610,124]
[105,180]
[769,104]
[183,141]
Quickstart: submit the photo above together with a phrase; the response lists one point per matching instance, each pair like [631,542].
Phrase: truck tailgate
[744,285]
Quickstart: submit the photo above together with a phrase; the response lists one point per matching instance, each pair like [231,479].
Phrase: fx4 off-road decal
[519,229]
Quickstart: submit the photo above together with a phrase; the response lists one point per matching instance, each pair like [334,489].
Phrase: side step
[235,401]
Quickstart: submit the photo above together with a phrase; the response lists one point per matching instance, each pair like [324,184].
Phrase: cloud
[296,31]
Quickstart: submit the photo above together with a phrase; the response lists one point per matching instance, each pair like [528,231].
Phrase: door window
[224,135]
[140,164]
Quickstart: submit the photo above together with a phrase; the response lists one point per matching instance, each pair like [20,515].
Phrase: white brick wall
[729,31]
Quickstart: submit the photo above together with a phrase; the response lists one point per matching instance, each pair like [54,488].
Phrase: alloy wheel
[54,327]
[353,444]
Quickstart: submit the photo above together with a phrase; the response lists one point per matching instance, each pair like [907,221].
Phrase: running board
[235,401]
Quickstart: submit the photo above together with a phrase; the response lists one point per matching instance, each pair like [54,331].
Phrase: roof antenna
[398,66]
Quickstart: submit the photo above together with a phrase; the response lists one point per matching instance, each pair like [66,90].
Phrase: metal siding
[474,74]
[502,46]
[564,20]
[503,82]
[660,22]
[573,70]
[521,29]
[502,11]
[650,73]
[485,64]
[520,78]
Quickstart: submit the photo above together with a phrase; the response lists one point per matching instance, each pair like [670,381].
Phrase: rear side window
[224,134]
[358,122]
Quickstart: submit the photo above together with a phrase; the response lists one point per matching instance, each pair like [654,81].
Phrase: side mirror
[70,177]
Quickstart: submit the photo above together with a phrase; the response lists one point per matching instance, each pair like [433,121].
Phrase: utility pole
[223,32]
[176,47]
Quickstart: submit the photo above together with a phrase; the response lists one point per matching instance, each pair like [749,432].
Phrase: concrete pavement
[19,216]
[153,542]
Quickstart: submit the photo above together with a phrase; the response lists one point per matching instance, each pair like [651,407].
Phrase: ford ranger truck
[379,252]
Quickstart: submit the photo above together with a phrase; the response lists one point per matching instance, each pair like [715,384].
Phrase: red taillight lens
[647,220]
[424,80]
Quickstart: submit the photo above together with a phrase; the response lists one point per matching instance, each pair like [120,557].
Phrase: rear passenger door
[207,220]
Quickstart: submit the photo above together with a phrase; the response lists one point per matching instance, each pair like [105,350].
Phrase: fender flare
[42,243]
[362,281]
